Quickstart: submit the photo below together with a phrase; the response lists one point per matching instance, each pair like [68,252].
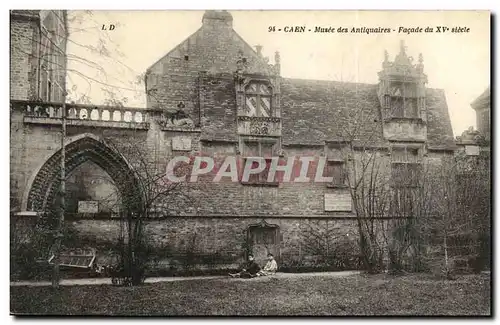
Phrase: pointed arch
[45,182]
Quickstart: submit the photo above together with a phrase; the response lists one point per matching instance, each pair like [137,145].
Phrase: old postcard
[268,163]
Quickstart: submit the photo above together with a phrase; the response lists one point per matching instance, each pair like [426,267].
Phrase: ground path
[101,281]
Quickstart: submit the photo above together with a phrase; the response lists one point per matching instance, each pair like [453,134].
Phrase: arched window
[258,97]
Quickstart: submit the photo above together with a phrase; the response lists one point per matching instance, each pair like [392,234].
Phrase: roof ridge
[173,49]
[346,82]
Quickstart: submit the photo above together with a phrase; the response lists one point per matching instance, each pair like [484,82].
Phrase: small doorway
[263,238]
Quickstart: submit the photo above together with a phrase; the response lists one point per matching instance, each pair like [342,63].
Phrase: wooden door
[264,240]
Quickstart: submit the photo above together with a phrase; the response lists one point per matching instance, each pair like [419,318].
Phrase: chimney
[217,18]
[258,48]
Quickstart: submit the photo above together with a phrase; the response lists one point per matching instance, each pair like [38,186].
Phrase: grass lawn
[297,295]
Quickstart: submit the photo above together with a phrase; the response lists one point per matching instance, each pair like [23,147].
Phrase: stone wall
[24,35]
[201,243]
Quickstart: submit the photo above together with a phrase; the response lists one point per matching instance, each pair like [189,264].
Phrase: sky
[459,63]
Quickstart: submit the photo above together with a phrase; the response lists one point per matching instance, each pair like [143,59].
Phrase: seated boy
[250,269]
[270,268]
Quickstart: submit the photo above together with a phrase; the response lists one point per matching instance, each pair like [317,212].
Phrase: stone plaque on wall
[472,150]
[338,202]
[88,207]
[181,143]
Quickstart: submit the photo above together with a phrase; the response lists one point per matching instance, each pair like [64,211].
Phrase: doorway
[263,238]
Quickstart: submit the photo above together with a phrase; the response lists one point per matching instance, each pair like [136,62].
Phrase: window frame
[258,95]
[258,235]
[404,112]
[404,200]
[261,178]
[407,149]
[343,173]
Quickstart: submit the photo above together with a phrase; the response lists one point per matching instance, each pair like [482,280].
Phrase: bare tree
[328,246]
[385,192]
[366,173]
[80,52]
[457,225]
[156,195]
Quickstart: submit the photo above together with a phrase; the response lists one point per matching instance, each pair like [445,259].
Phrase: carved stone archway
[45,185]
[263,238]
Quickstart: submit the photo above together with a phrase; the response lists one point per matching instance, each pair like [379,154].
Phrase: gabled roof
[204,42]
[180,45]
[312,111]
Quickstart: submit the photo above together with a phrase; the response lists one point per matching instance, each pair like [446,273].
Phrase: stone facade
[476,142]
[215,95]
[482,107]
[38,46]
[23,73]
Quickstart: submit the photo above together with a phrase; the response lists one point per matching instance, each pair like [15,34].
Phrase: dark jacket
[252,267]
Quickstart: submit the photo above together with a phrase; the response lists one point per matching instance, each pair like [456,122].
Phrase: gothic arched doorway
[44,190]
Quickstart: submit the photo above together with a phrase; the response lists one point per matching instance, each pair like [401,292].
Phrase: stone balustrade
[81,112]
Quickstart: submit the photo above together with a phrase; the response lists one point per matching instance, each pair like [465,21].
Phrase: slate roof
[314,111]
[439,130]
[25,13]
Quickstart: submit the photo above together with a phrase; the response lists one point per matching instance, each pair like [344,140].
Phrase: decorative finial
[402,48]
[242,62]
[420,65]
[277,57]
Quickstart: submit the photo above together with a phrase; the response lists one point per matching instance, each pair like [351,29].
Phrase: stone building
[38,45]
[473,162]
[215,95]
[239,104]
[37,68]
[482,107]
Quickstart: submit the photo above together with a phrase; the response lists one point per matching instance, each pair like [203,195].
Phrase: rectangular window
[258,100]
[404,101]
[397,107]
[44,84]
[258,150]
[260,178]
[387,101]
[263,235]
[404,202]
[49,91]
[336,170]
[410,107]
[406,176]
[405,155]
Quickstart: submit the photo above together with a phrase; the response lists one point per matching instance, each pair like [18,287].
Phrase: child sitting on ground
[250,269]
[270,268]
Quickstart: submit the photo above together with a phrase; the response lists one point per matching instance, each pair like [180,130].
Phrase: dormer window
[404,102]
[258,97]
